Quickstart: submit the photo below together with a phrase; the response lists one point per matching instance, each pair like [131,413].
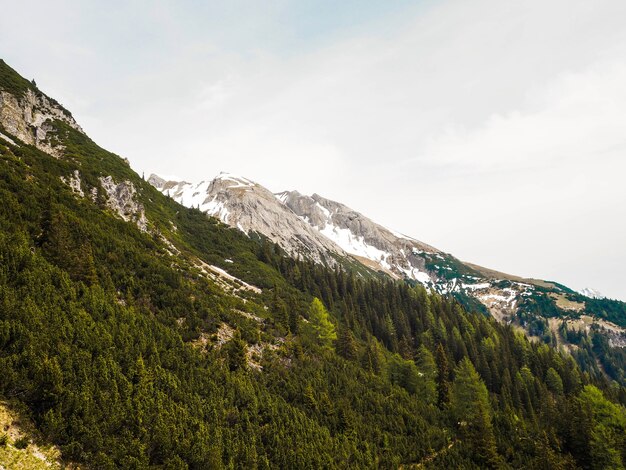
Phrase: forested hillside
[141,334]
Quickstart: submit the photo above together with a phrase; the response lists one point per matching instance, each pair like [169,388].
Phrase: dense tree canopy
[116,342]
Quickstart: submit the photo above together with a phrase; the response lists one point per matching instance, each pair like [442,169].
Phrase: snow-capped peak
[240,181]
[591,293]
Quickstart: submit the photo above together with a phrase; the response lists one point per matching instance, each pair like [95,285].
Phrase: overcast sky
[493,130]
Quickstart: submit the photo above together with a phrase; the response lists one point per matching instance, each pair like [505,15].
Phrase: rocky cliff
[30,116]
[250,207]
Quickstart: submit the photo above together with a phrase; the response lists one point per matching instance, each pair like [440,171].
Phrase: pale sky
[493,130]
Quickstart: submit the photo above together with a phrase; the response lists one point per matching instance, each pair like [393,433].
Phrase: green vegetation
[592,349]
[108,338]
[319,328]
[13,82]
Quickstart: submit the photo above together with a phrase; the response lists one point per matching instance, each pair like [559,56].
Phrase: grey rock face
[121,199]
[250,207]
[74,183]
[30,117]
[321,229]
[360,236]
[309,226]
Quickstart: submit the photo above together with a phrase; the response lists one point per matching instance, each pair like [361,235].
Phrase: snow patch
[473,287]
[282,197]
[240,181]
[414,273]
[325,211]
[355,245]
[230,277]
[8,139]
[509,298]
[591,293]
[216,208]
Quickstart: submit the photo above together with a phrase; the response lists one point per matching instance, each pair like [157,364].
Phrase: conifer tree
[554,382]
[471,410]
[428,368]
[346,345]
[235,351]
[321,328]
[443,390]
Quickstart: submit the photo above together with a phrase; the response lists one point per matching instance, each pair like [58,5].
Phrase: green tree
[605,431]
[320,328]
[470,408]
[346,345]
[235,351]
[554,382]
[443,387]
[427,387]
[371,359]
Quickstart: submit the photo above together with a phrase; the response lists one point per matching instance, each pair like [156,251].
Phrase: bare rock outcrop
[360,236]
[250,207]
[74,183]
[121,199]
[30,118]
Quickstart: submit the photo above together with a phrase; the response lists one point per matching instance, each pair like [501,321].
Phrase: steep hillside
[21,446]
[323,229]
[138,333]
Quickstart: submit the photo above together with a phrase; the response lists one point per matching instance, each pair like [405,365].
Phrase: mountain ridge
[139,333]
[358,236]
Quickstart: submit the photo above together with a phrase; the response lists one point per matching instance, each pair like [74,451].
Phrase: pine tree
[346,345]
[470,408]
[427,387]
[603,429]
[443,387]
[554,382]
[235,351]
[371,360]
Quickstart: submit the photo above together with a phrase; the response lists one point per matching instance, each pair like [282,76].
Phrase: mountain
[27,114]
[250,207]
[139,333]
[323,229]
[370,243]
[592,293]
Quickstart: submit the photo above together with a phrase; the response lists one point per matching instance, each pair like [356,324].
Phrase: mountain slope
[527,302]
[251,208]
[142,334]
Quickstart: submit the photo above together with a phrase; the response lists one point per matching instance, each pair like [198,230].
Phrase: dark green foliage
[470,409]
[12,81]
[553,381]
[346,345]
[21,443]
[427,388]
[608,309]
[596,430]
[100,327]
[235,351]
[443,373]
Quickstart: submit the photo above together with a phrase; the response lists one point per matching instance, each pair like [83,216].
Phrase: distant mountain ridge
[592,293]
[327,231]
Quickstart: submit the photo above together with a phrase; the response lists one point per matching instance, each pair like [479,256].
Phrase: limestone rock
[30,118]
[121,199]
